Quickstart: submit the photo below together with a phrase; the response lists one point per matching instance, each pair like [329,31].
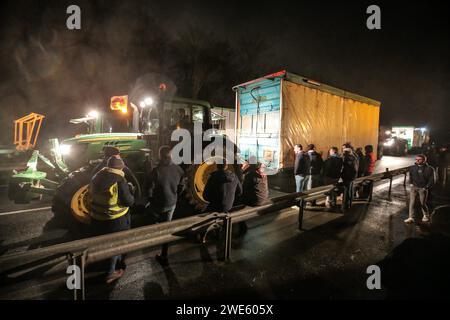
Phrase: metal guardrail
[87,251]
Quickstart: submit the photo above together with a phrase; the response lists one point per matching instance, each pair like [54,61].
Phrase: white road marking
[22,211]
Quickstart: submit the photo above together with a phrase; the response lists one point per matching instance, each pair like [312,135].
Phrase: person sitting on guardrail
[166,183]
[332,168]
[349,173]
[421,179]
[419,267]
[255,188]
[111,196]
[222,189]
[300,167]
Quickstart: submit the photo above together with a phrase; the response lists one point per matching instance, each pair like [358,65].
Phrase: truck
[399,140]
[277,111]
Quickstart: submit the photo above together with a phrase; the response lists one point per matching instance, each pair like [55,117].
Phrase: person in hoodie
[314,168]
[349,173]
[301,164]
[222,189]
[166,183]
[421,178]
[255,186]
[331,172]
[110,199]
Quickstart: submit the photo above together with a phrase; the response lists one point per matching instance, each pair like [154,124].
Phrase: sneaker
[115,276]
[409,220]
[425,219]
[162,260]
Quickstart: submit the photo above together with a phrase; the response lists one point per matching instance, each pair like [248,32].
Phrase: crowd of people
[311,171]
[112,196]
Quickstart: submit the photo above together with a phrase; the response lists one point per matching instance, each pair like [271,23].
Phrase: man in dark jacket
[221,190]
[332,169]
[111,197]
[314,168]
[421,178]
[300,167]
[361,162]
[349,173]
[166,183]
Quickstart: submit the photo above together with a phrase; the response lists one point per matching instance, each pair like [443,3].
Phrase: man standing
[314,168]
[421,178]
[300,167]
[349,173]
[256,190]
[370,160]
[166,183]
[111,198]
[222,188]
[332,169]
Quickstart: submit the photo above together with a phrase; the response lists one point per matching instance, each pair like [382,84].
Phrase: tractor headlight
[64,149]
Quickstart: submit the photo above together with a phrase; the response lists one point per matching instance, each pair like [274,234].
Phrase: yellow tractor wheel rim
[79,207]
[202,174]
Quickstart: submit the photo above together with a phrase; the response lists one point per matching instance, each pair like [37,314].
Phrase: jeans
[312,181]
[423,194]
[332,197]
[348,194]
[299,182]
[165,215]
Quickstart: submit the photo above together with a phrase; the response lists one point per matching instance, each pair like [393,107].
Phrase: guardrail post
[370,191]
[301,211]
[390,183]
[79,259]
[227,229]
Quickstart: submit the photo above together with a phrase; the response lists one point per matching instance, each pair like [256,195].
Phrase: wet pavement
[29,226]
[273,260]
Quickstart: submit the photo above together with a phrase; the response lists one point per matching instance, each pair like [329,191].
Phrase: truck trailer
[277,111]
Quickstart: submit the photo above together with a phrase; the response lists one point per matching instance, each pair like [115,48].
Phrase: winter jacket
[332,167]
[301,163]
[221,190]
[315,163]
[349,166]
[166,182]
[422,176]
[361,163]
[370,160]
[256,190]
[100,186]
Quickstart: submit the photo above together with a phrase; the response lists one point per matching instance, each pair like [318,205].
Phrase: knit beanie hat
[115,162]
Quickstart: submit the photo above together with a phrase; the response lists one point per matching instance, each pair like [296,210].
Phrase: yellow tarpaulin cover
[309,115]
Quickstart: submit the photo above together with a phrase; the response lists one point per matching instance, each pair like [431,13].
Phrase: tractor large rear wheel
[62,200]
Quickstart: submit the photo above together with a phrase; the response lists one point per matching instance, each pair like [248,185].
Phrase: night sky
[122,44]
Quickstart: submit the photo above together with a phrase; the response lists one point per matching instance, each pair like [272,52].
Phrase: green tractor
[138,132]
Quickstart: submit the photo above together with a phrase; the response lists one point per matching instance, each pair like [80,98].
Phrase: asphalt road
[25,227]
[273,259]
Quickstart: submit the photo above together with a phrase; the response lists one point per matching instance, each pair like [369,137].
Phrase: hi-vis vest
[104,205]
